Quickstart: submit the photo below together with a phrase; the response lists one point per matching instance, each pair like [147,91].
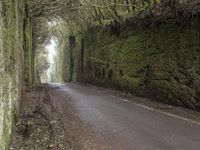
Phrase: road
[116,123]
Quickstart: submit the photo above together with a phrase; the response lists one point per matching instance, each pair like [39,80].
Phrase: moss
[29,37]
[12,65]
[130,83]
[97,61]
[174,93]
[165,57]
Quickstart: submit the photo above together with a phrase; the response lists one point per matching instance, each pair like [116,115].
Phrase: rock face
[15,63]
[161,62]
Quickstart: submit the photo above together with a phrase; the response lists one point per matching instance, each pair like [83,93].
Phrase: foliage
[63,18]
[79,15]
[128,57]
[41,38]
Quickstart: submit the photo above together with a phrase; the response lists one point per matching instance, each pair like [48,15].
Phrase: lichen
[12,62]
[161,62]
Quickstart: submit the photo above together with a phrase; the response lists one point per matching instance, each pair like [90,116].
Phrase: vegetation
[161,63]
[72,18]
[41,38]
[15,64]
[147,47]
[127,44]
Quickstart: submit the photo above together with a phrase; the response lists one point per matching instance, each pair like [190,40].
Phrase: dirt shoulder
[48,123]
[38,128]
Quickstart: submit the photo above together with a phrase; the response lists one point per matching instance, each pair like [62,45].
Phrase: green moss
[97,61]
[145,58]
[130,83]
[30,51]
[12,66]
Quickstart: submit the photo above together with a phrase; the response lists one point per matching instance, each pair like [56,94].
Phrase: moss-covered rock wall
[160,62]
[15,63]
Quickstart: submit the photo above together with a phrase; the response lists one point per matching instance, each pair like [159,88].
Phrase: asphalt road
[123,124]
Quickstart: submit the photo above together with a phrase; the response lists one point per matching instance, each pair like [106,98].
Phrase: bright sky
[51,49]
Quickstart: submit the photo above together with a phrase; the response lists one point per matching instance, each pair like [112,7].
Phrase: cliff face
[161,62]
[15,63]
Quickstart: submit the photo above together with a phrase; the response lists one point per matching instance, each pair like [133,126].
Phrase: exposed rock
[161,62]
[15,53]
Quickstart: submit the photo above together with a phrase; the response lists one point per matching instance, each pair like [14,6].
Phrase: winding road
[118,123]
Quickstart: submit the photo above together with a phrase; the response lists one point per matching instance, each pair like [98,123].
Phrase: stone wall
[161,61]
[15,58]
